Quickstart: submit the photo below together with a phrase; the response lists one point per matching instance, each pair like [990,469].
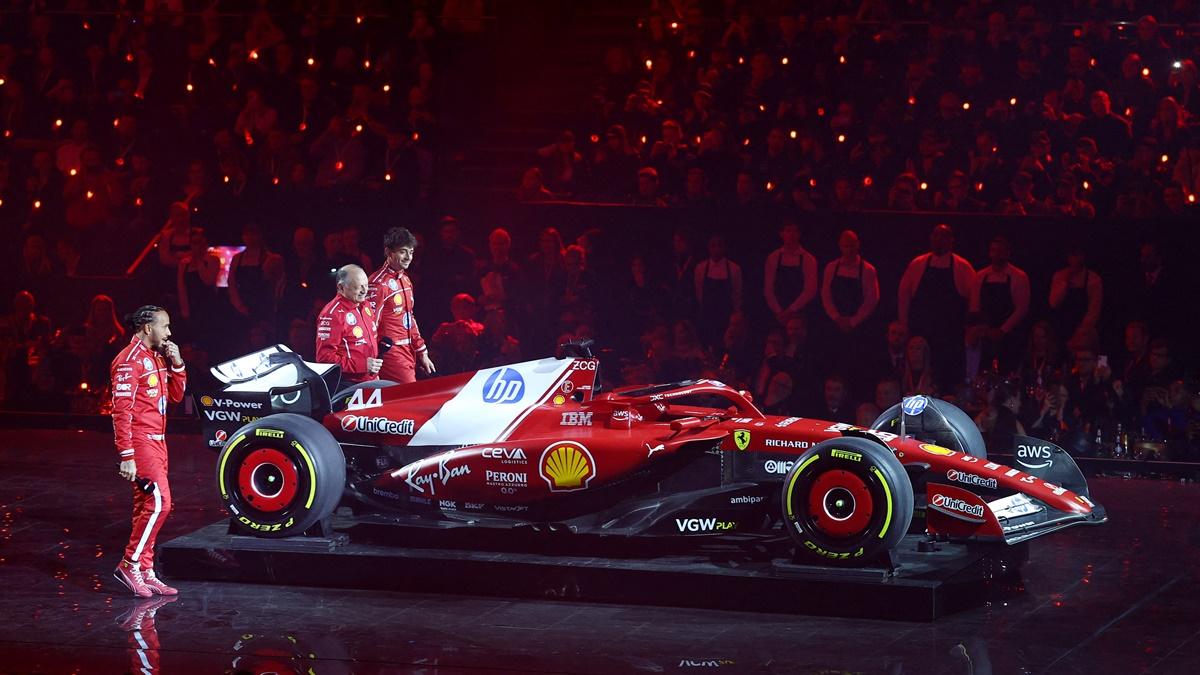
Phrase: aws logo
[567,466]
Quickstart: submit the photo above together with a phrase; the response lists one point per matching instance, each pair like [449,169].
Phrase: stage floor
[1120,598]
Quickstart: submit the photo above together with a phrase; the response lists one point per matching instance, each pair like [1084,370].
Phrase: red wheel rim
[268,479]
[839,503]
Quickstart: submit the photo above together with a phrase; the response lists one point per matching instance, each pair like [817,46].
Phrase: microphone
[385,343]
[146,485]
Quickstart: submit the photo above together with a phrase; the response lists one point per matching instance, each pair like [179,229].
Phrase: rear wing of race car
[269,381]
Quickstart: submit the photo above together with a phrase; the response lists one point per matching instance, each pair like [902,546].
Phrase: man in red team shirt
[391,294]
[145,375]
[346,329]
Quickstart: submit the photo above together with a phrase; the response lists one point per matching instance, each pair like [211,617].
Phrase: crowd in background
[189,122]
[1081,109]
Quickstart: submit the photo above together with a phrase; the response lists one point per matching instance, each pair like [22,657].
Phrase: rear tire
[280,475]
[846,501]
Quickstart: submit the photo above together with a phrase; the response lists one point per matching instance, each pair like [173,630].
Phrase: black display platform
[923,586]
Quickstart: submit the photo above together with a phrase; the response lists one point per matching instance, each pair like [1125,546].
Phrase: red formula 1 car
[538,444]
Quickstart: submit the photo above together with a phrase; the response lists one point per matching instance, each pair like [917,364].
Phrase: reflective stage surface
[1120,598]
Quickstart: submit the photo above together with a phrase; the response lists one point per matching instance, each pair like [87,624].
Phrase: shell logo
[398,299]
[936,449]
[567,466]
[206,401]
[153,381]
[357,332]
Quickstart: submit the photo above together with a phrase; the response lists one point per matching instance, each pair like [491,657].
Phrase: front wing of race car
[1055,496]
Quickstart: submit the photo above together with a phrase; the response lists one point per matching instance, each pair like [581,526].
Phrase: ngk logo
[952,504]
[377,425]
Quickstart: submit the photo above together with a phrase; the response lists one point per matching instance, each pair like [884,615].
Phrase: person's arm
[1058,288]
[210,269]
[908,285]
[181,289]
[1095,293]
[331,345]
[735,282]
[976,289]
[964,276]
[166,257]
[125,380]
[769,283]
[1020,298]
[870,283]
[418,342]
[808,266]
[176,377]
[235,298]
[827,292]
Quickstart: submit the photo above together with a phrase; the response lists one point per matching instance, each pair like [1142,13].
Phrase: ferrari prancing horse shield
[741,438]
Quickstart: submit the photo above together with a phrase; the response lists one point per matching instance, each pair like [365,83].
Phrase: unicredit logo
[377,425]
[952,504]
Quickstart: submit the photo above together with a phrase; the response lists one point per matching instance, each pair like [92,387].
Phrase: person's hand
[373,365]
[1103,373]
[128,469]
[425,364]
[171,351]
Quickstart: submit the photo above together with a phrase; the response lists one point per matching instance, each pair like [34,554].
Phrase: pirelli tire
[847,500]
[280,474]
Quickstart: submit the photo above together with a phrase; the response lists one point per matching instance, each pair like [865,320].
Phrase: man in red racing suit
[391,295]
[145,375]
[346,329]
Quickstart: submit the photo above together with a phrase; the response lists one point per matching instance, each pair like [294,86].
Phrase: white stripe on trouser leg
[137,552]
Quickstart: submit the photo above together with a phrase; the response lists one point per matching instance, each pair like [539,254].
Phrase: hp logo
[504,386]
[914,405]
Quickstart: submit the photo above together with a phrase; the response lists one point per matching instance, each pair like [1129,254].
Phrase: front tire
[846,501]
[280,475]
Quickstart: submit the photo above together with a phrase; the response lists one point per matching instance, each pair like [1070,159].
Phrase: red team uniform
[391,295]
[346,336]
[142,383]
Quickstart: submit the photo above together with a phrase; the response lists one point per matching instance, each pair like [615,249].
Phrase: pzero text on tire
[279,475]
[846,500]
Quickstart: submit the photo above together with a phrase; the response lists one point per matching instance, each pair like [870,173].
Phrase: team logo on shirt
[357,332]
[392,284]
[147,363]
[350,320]
[398,299]
[153,381]
[367,311]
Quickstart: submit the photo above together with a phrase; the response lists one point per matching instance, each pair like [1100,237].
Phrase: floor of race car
[1115,598]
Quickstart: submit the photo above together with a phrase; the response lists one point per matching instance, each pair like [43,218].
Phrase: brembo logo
[952,504]
[504,386]
[377,425]
[1034,456]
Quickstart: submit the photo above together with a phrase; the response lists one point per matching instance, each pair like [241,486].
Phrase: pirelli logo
[845,454]
[268,433]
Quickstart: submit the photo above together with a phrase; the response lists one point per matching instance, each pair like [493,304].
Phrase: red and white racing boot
[156,585]
[131,577]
